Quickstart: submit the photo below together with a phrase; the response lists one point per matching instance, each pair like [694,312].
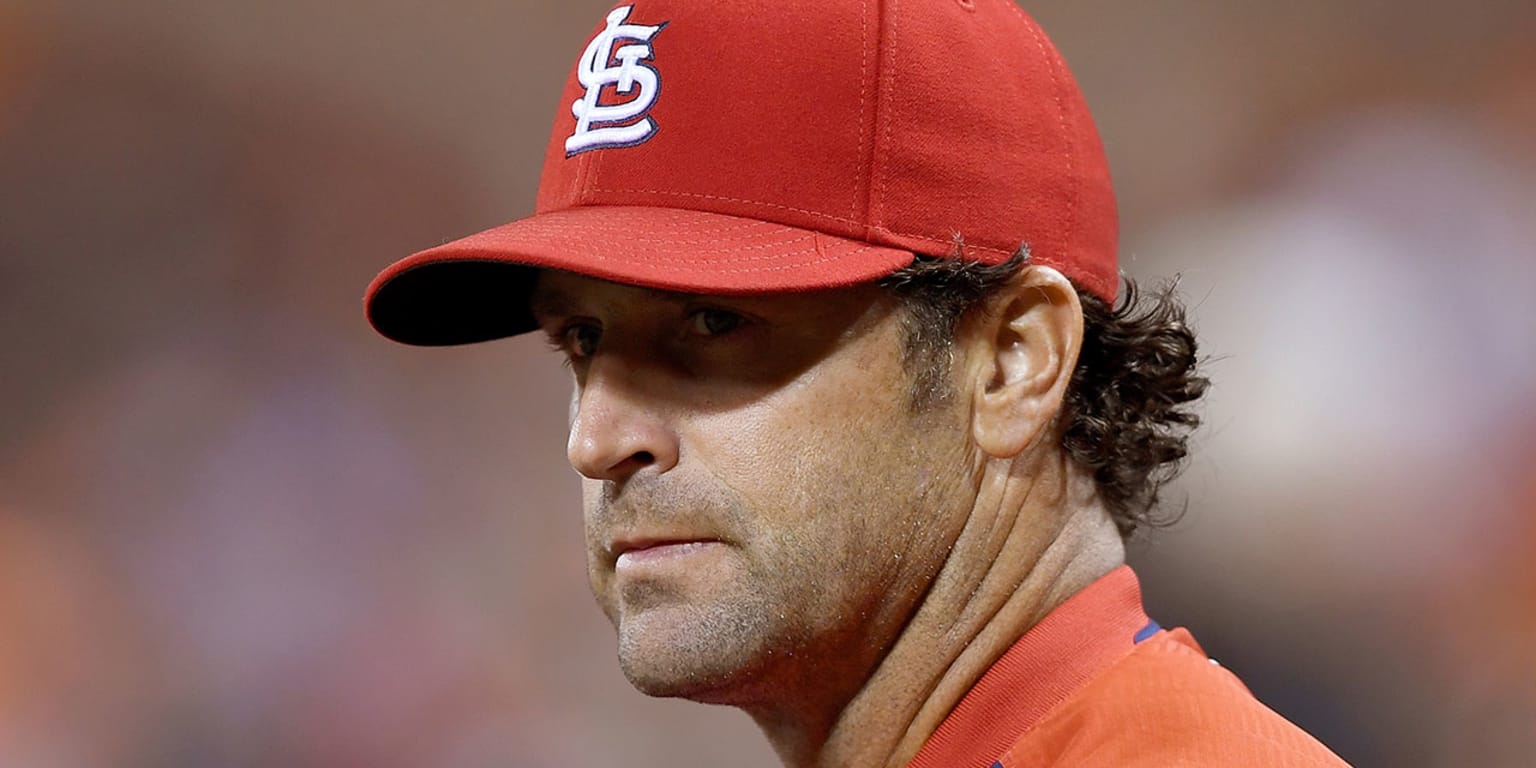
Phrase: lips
[622,546]
[641,551]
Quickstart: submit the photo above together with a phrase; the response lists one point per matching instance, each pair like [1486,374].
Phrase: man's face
[763,507]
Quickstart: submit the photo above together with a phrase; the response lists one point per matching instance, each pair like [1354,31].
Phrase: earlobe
[1026,344]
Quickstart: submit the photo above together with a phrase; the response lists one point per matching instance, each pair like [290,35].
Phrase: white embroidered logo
[625,124]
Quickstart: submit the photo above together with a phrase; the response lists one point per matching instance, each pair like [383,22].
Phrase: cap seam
[738,251]
[761,230]
[950,242]
[817,214]
[860,186]
[702,240]
[1073,177]
[721,198]
[594,172]
[875,209]
[742,270]
[730,223]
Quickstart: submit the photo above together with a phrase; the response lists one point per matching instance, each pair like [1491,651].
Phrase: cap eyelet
[969,5]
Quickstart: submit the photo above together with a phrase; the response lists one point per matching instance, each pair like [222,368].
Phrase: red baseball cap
[752,147]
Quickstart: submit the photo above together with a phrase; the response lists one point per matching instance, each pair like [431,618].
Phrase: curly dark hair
[1127,412]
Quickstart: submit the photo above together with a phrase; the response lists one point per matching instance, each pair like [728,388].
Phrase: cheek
[834,480]
[591,494]
[884,488]
[784,458]
[599,573]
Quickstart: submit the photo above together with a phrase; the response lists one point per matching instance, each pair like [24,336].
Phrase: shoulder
[1167,704]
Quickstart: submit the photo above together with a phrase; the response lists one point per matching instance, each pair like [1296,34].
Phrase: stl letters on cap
[626,124]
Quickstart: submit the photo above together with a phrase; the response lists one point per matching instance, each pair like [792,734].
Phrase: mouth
[641,552]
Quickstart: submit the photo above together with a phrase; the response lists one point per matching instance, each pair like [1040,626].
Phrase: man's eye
[580,340]
[714,322]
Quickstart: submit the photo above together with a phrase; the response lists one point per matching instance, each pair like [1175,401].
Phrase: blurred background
[237,528]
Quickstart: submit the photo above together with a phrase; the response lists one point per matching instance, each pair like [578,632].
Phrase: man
[861,424]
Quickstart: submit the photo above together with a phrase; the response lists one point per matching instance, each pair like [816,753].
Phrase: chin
[703,689]
[667,678]
[675,653]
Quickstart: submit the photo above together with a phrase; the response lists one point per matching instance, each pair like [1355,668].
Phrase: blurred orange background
[238,528]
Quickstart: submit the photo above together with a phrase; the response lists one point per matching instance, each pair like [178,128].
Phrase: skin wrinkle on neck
[976,607]
[1065,563]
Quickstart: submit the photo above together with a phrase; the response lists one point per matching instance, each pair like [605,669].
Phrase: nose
[617,430]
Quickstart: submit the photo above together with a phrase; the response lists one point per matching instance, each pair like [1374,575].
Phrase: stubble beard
[711,652]
[714,646]
[747,641]
[789,609]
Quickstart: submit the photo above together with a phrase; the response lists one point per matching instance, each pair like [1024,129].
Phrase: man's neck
[1036,537]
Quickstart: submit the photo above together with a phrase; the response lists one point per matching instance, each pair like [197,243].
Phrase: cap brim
[476,289]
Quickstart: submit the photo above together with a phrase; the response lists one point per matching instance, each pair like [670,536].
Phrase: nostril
[644,457]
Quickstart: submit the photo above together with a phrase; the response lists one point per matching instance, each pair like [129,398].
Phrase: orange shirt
[1096,684]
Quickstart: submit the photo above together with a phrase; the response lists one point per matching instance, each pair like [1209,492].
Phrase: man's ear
[1024,346]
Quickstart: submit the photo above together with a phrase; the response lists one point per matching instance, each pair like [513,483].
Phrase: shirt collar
[1074,643]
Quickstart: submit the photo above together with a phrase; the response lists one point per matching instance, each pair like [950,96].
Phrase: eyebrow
[547,303]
